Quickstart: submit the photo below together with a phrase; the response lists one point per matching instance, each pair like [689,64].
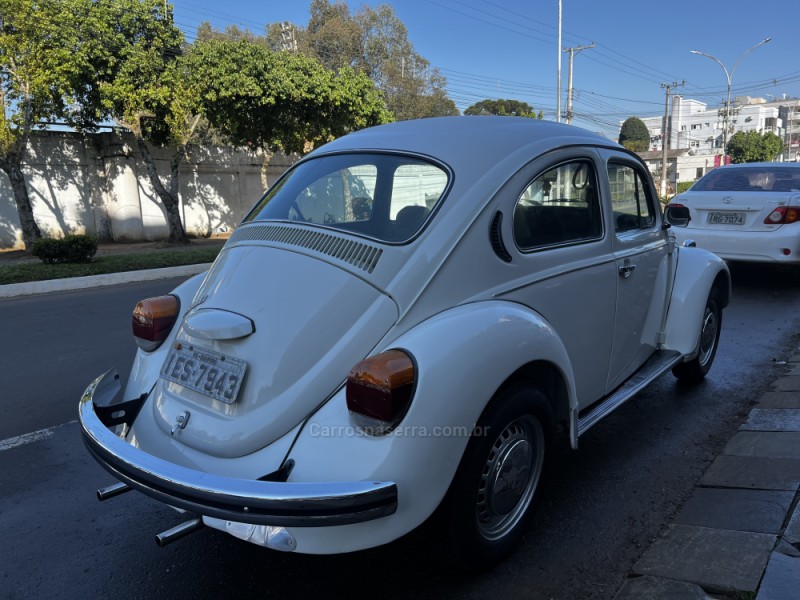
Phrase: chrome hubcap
[509,477]
[708,336]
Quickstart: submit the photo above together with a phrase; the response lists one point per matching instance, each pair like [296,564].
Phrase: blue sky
[508,49]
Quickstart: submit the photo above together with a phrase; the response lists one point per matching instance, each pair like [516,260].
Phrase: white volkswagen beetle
[400,324]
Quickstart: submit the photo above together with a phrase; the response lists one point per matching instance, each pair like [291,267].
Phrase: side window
[560,206]
[632,206]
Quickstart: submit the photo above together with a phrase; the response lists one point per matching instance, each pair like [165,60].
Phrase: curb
[15,290]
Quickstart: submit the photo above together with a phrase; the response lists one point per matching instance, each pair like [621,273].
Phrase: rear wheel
[695,370]
[488,503]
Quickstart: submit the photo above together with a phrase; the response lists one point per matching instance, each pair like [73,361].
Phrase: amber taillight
[153,319]
[380,389]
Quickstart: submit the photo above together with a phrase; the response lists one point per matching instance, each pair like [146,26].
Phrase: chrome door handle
[626,270]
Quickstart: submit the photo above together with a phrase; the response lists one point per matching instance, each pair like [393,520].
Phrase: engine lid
[311,322]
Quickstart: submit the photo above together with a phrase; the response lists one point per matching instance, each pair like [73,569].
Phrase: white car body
[590,320]
[730,210]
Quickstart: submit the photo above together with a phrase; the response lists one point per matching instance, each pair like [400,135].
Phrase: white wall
[98,185]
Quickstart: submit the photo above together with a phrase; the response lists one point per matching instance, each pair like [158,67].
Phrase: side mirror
[677,215]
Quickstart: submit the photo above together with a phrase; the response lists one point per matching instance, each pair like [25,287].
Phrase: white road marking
[29,438]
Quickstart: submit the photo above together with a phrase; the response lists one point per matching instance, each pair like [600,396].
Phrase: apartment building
[696,133]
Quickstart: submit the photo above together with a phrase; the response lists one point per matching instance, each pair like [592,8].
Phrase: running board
[658,364]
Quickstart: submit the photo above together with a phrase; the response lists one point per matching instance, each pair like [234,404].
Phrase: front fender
[463,356]
[697,272]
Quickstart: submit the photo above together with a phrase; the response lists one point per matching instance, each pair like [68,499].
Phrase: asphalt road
[600,508]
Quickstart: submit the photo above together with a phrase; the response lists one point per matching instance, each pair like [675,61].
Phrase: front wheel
[695,370]
[488,503]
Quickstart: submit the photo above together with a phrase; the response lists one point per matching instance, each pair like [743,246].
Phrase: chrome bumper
[246,501]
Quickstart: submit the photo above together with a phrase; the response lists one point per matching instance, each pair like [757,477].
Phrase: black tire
[489,501]
[694,371]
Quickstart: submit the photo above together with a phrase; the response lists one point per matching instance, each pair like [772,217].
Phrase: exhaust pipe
[179,531]
[112,490]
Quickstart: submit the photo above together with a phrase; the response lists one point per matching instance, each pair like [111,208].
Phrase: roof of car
[762,165]
[449,138]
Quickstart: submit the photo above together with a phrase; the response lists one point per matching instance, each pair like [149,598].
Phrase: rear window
[750,179]
[381,196]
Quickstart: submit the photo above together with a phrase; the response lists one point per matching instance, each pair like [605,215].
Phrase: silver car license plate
[210,373]
[726,218]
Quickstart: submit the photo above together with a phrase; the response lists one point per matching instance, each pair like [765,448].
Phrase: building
[695,133]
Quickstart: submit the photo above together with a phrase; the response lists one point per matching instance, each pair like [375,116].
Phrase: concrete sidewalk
[738,536]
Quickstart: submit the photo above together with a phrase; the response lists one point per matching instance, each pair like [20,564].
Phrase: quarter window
[632,206]
[560,206]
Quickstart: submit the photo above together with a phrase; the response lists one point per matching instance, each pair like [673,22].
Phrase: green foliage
[111,263]
[634,135]
[514,108]
[683,186]
[752,146]
[279,100]
[375,42]
[69,249]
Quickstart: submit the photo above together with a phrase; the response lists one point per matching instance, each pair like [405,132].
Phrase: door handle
[625,271]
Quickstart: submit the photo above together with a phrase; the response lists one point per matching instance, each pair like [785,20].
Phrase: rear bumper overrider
[287,504]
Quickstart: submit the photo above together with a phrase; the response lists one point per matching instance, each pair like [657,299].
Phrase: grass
[110,263]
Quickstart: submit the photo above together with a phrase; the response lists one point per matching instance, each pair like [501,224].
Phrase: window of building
[698,173]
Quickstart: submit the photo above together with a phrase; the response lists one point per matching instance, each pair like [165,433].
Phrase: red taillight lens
[153,319]
[380,389]
[783,215]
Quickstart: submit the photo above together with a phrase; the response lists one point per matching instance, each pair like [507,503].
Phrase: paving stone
[753,472]
[760,511]
[782,578]
[792,533]
[772,419]
[780,399]
[771,444]
[717,559]
[786,548]
[791,383]
[657,588]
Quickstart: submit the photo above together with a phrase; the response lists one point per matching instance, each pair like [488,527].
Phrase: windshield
[382,196]
[750,179]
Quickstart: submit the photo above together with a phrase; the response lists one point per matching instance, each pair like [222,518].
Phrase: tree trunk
[268,154]
[169,197]
[12,167]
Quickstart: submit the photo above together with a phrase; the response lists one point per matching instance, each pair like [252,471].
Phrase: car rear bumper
[257,502]
[750,246]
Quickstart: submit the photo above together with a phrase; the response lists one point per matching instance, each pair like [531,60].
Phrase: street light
[729,76]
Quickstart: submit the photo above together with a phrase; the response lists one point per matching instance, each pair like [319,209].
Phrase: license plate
[210,373]
[726,218]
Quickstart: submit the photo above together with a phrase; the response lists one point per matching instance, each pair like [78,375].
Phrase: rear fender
[463,356]
[147,365]
[697,272]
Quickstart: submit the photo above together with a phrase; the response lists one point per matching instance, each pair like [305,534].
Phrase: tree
[41,59]
[514,108]
[752,146]
[634,135]
[374,42]
[152,94]
[280,101]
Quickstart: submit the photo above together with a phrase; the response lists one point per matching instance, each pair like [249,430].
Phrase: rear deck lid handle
[216,324]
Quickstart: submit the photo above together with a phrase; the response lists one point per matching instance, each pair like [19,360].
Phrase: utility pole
[665,134]
[558,50]
[572,53]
